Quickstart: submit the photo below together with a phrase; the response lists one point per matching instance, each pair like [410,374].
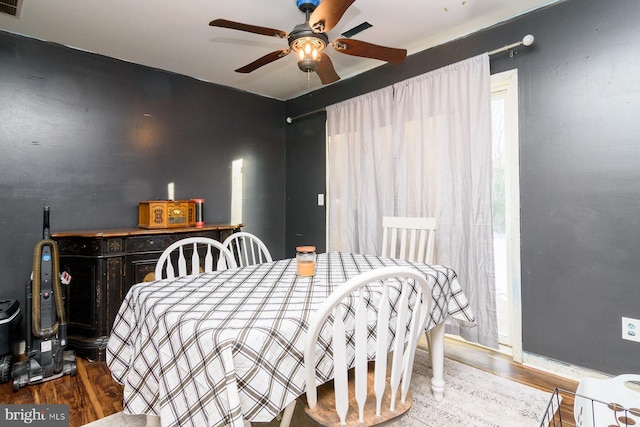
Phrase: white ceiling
[176,36]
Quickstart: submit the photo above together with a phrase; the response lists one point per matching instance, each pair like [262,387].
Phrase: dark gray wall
[91,136]
[306,178]
[579,92]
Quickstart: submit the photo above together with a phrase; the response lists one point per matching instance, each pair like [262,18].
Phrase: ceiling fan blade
[325,70]
[327,14]
[370,50]
[248,28]
[268,58]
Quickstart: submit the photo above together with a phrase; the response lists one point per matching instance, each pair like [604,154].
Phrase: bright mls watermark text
[34,415]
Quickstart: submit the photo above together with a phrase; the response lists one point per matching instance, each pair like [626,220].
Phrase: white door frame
[507,81]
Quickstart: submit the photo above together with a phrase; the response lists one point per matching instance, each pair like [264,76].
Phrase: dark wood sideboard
[103,265]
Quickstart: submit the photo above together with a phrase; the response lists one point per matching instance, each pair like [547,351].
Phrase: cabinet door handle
[152,242]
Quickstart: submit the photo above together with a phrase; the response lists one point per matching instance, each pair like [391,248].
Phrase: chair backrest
[412,239]
[373,295]
[210,250]
[247,249]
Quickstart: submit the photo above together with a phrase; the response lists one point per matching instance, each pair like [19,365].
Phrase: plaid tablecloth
[212,349]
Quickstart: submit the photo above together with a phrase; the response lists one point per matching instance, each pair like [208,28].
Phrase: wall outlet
[630,329]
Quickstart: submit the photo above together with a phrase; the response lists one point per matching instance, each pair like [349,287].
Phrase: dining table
[222,347]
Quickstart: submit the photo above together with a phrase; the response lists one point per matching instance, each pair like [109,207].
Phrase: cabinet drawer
[155,243]
[81,247]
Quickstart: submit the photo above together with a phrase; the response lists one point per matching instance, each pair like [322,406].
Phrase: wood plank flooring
[92,394]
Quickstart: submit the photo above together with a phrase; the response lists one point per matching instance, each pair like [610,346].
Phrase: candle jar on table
[306,260]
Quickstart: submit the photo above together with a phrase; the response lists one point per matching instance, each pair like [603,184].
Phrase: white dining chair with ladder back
[409,238]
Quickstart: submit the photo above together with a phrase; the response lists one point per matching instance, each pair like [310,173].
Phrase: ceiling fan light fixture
[308,49]
[308,46]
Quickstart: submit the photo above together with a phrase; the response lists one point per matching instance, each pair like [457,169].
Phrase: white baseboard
[561,369]
[541,363]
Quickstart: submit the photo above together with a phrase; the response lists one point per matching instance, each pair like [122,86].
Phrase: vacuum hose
[57,291]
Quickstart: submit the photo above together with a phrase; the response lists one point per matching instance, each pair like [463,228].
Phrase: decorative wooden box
[166,214]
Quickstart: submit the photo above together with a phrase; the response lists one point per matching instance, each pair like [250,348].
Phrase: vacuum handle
[45,221]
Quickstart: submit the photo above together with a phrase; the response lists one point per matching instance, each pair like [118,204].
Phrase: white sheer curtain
[443,119]
[434,159]
[361,167]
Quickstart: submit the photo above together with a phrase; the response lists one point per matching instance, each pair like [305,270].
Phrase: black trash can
[9,320]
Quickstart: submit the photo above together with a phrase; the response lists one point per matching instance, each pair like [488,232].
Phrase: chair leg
[287,414]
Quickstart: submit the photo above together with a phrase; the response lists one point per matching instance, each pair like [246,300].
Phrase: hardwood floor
[92,394]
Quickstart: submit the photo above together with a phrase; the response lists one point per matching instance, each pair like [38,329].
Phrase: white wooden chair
[247,249]
[412,239]
[209,249]
[378,392]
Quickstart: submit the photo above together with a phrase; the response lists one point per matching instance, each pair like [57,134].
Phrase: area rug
[472,398]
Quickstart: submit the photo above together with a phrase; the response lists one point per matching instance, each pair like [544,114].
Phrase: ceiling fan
[309,40]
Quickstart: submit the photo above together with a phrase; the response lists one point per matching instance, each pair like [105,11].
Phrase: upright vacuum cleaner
[46,325]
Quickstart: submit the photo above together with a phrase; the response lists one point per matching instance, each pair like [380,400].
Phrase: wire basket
[566,408]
